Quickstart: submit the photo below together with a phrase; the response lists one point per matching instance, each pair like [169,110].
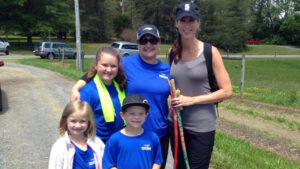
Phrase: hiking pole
[179,121]
[175,129]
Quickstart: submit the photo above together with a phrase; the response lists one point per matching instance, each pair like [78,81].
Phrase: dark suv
[52,50]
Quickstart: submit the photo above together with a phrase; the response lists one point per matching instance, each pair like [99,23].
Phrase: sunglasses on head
[152,40]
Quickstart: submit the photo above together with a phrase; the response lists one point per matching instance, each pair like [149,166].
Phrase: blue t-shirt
[89,93]
[138,152]
[146,79]
[83,159]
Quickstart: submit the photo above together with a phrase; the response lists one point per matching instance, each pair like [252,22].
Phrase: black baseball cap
[135,100]
[147,29]
[187,9]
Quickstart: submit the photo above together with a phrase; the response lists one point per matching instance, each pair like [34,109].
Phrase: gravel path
[33,101]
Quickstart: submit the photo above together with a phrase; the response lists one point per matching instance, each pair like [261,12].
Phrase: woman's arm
[113,168]
[223,81]
[156,166]
[75,95]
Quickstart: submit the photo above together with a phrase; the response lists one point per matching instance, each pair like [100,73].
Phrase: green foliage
[268,20]
[120,23]
[227,24]
[291,25]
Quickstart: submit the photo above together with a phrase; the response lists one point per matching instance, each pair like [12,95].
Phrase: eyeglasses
[144,41]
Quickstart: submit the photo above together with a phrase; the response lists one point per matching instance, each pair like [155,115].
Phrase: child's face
[107,68]
[77,124]
[135,116]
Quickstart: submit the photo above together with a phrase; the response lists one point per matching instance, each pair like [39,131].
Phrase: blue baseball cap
[187,9]
[147,29]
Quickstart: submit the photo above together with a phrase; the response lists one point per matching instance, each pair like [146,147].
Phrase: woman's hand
[75,95]
[183,101]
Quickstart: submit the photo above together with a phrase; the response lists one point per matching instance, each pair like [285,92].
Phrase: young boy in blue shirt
[133,147]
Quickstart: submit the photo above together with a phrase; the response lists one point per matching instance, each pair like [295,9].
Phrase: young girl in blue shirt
[77,148]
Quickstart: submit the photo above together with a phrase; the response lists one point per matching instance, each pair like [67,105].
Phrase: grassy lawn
[272,80]
[19,46]
[230,152]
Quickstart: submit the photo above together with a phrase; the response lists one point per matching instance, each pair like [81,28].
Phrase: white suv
[126,48]
[4,46]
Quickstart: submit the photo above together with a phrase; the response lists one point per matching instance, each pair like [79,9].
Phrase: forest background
[225,23]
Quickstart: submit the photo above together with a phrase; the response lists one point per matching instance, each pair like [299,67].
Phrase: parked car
[126,48]
[1,64]
[253,41]
[4,46]
[52,50]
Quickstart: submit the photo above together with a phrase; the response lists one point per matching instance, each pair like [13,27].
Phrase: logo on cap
[147,28]
[187,7]
[145,101]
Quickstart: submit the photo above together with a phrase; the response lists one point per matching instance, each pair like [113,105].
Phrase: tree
[30,17]
[121,22]
[291,25]
[9,15]
[225,23]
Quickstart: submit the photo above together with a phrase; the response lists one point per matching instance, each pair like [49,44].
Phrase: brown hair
[120,78]
[177,49]
[78,106]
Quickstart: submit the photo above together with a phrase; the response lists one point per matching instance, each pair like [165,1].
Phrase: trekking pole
[175,129]
[179,121]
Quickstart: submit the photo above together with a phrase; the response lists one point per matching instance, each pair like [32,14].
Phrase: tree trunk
[29,39]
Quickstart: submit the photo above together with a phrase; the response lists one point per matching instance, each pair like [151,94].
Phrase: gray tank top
[192,79]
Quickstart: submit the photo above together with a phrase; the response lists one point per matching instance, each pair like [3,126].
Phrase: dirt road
[33,101]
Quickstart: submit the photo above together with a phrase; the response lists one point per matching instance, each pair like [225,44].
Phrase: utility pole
[122,5]
[78,38]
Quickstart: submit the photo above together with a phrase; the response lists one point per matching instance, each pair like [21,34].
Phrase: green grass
[274,81]
[230,152]
[270,80]
[19,46]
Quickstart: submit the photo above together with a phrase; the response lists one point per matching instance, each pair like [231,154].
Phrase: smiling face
[77,124]
[148,51]
[187,27]
[107,67]
[134,116]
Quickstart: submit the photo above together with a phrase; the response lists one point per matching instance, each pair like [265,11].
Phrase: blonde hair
[78,106]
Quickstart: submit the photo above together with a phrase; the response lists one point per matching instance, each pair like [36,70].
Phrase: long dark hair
[177,48]
[120,78]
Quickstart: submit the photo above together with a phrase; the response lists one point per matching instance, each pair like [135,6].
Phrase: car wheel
[126,54]
[74,56]
[50,56]
[7,51]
